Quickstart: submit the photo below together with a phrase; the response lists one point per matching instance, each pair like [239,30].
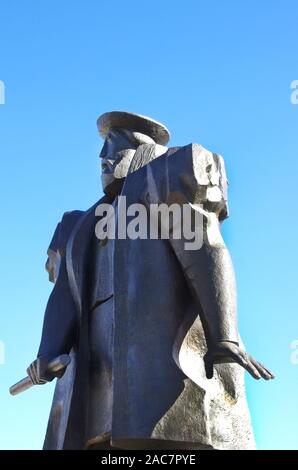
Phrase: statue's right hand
[38,371]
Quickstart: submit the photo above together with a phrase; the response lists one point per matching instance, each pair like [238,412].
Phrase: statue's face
[116,155]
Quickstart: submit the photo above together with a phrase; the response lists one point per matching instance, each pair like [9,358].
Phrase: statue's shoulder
[202,175]
[197,149]
[64,228]
[68,221]
[193,150]
[57,247]
[67,225]
[201,156]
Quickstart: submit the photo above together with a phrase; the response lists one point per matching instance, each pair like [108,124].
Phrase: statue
[148,326]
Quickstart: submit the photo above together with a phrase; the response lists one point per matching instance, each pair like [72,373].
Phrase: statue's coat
[160,390]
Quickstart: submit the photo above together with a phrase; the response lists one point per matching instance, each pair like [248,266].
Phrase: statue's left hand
[39,373]
[226,351]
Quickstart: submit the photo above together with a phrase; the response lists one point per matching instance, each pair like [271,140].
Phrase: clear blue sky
[215,72]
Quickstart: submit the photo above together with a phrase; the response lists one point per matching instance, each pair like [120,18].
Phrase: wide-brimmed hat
[133,122]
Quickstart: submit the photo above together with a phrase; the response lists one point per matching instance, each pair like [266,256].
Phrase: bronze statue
[150,326]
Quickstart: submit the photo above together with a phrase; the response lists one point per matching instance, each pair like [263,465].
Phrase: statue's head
[123,133]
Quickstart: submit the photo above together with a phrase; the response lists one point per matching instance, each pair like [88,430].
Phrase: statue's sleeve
[59,326]
[197,180]
[54,256]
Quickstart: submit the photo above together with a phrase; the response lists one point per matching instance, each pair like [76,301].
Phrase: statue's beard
[124,158]
[113,181]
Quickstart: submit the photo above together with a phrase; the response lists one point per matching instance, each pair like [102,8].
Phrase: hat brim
[133,122]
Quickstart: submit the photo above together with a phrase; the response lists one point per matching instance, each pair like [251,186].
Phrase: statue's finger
[29,374]
[35,370]
[265,373]
[270,373]
[272,376]
[39,371]
[245,362]
[32,374]
[262,371]
[41,382]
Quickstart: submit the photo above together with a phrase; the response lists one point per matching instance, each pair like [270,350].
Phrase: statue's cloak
[160,390]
